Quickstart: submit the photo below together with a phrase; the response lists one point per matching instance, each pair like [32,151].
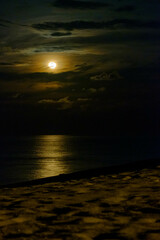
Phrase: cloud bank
[82,5]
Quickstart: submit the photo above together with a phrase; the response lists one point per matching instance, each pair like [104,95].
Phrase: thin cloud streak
[82,25]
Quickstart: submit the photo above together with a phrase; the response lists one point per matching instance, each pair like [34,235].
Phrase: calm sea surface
[33,157]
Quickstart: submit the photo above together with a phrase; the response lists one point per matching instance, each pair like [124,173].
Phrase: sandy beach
[124,205]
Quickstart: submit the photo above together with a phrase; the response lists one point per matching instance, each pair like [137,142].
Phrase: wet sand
[122,204]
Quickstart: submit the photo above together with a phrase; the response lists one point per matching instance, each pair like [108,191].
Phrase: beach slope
[124,205]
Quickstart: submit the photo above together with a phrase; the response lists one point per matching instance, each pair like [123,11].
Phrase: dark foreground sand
[124,205]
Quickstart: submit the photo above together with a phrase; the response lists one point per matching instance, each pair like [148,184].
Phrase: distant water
[32,157]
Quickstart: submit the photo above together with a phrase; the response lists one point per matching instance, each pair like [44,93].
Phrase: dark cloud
[6,64]
[82,25]
[2,25]
[75,43]
[112,37]
[116,37]
[107,76]
[31,77]
[83,67]
[75,4]
[50,48]
[68,25]
[61,34]
[6,21]
[127,8]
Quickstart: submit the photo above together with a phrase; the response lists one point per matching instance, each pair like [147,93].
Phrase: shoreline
[85,174]
[121,203]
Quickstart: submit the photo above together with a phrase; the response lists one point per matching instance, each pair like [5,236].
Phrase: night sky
[107,75]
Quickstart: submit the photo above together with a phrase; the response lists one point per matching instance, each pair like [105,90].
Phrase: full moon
[52,65]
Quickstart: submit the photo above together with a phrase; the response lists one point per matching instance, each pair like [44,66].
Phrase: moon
[52,65]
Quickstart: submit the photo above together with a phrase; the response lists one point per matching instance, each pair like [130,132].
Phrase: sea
[25,158]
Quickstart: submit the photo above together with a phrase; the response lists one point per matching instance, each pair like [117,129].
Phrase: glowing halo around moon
[52,65]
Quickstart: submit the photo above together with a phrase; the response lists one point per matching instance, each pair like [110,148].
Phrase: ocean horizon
[26,158]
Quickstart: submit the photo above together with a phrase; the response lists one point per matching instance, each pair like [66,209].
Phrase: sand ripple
[119,206]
